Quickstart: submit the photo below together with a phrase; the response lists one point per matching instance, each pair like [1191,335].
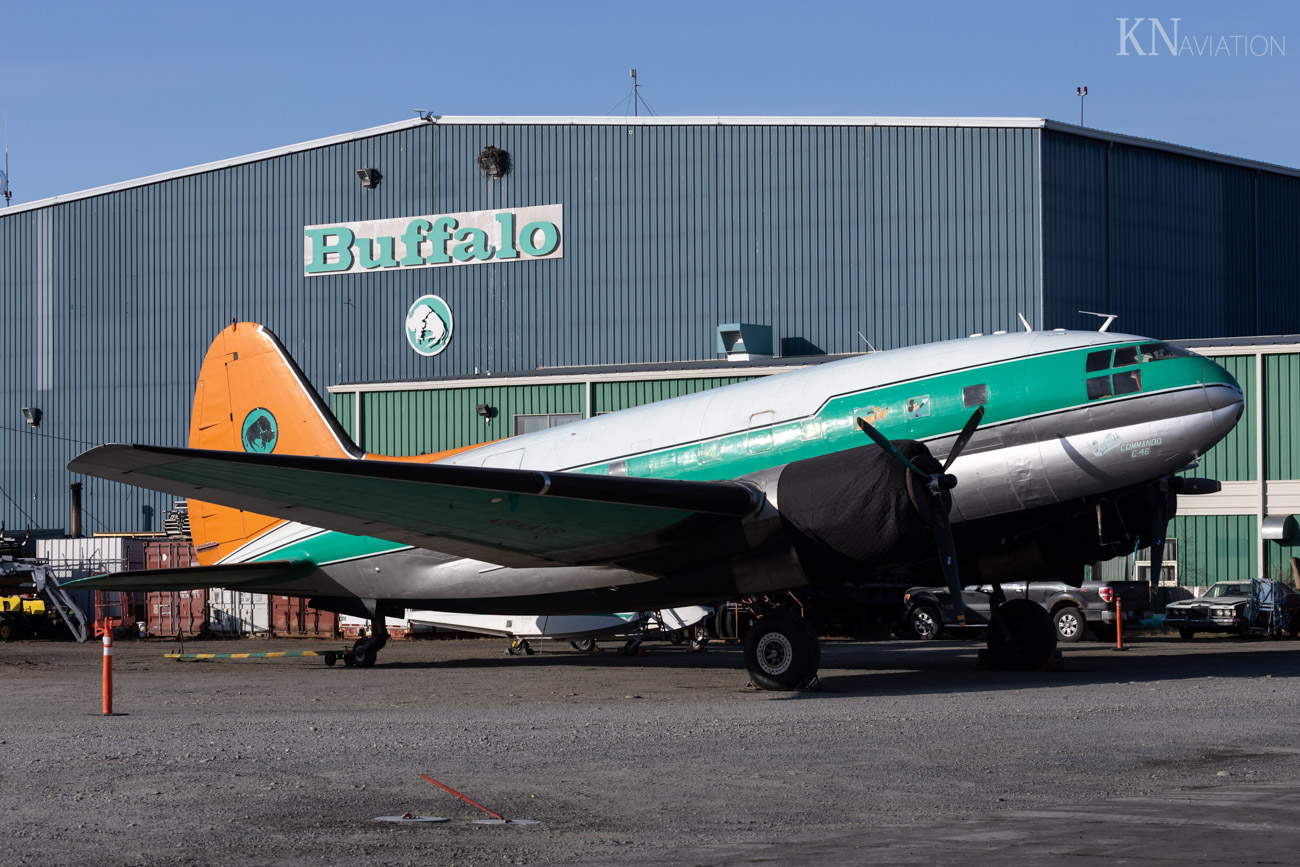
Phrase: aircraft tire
[677,636]
[364,653]
[585,645]
[1022,637]
[925,623]
[1070,624]
[781,652]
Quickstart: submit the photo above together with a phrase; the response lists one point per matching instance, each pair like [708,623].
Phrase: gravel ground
[668,758]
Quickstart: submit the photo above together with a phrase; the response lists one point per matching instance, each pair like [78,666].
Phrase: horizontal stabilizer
[245,576]
[513,517]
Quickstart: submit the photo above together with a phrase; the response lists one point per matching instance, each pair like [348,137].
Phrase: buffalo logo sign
[259,431]
[428,325]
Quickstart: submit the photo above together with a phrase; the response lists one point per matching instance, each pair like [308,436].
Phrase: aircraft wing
[508,516]
[244,576]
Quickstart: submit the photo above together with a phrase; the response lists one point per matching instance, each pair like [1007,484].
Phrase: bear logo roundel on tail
[260,432]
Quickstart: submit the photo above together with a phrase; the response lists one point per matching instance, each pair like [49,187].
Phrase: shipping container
[232,614]
[119,613]
[169,554]
[176,614]
[80,558]
[292,617]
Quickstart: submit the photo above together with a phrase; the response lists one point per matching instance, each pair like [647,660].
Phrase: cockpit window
[1128,382]
[1098,387]
[1126,355]
[1161,351]
[1098,360]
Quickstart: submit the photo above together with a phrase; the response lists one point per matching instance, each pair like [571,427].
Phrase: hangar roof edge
[691,120]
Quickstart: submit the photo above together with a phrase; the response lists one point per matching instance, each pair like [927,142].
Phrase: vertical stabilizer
[252,397]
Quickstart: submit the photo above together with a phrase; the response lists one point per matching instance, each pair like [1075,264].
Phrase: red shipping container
[173,614]
[169,554]
[117,610]
[292,617]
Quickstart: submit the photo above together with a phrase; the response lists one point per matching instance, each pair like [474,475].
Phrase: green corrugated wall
[1282,400]
[1233,459]
[1214,548]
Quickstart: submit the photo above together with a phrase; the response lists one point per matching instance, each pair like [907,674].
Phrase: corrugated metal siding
[1178,247]
[613,396]
[344,407]
[1214,548]
[418,422]
[1281,400]
[906,234]
[1233,459]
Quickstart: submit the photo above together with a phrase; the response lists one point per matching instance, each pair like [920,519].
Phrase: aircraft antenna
[868,342]
[4,176]
[1025,322]
[1109,317]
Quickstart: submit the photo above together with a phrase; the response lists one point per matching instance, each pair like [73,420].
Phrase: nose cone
[1224,396]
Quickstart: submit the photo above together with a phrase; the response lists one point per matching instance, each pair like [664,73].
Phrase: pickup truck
[928,611]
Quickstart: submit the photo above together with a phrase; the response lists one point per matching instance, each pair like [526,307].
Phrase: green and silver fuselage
[1068,415]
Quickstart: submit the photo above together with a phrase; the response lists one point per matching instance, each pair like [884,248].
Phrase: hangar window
[1128,382]
[975,395]
[1126,355]
[1098,361]
[1098,386]
[533,423]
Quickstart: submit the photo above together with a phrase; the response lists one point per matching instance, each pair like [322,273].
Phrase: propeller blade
[1156,537]
[881,440]
[948,561]
[964,437]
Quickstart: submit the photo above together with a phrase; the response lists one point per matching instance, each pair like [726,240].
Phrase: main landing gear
[782,652]
[365,650]
[1021,634]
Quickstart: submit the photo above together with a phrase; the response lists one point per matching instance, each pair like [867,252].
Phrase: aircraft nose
[1225,398]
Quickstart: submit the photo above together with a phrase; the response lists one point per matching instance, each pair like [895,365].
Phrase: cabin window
[1098,386]
[1098,361]
[533,423]
[1126,355]
[760,440]
[975,395]
[1128,382]
[618,468]
[710,451]
[811,429]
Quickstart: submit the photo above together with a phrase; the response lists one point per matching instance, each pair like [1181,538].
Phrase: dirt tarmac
[1175,750]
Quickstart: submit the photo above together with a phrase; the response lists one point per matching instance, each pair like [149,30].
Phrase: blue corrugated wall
[906,234]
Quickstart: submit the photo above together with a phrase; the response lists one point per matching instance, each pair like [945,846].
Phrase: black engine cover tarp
[849,512]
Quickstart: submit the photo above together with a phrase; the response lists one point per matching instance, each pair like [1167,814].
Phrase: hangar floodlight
[369,178]
[32,415]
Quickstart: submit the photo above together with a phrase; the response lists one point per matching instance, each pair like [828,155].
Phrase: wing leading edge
[507,516]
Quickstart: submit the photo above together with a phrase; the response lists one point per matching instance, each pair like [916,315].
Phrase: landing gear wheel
[632,648]
[364,652]
[520,646]
[1186,632]
[677,636]
[1070,624]
[586,645]
[1021,636]
[924,623]
[781,652]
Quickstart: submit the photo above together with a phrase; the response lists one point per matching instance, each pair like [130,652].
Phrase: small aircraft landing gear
[520,647]
[1021,636]
[633,647]
[782,652]
[366,650]
[584,645]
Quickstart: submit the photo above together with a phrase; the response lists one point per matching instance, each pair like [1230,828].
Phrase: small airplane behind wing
[1008,457]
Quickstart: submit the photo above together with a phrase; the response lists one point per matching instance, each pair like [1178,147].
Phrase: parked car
[928,611]
[1223,608]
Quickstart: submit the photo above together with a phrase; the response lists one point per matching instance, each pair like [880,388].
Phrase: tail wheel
[781,652]
[1021,636]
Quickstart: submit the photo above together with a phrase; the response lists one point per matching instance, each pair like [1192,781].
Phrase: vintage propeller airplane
[1067,444]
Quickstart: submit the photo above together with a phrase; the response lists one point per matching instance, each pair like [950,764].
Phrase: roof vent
[744,342]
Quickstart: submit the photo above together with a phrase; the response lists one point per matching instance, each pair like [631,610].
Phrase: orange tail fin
[252,397]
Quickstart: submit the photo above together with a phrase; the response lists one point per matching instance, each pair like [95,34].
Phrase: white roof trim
[577,120]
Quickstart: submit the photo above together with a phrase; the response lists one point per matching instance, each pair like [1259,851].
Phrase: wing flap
[244,576]
[508,516]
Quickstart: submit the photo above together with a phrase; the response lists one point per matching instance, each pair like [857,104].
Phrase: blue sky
[97,93]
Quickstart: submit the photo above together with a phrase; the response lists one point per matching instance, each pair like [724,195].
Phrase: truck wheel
[1186,632]
[1070,623]
[925,623]
[6,631]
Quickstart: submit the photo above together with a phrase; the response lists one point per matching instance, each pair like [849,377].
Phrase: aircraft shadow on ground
[852,668]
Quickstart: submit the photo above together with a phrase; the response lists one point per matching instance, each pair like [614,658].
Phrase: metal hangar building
[452,280]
